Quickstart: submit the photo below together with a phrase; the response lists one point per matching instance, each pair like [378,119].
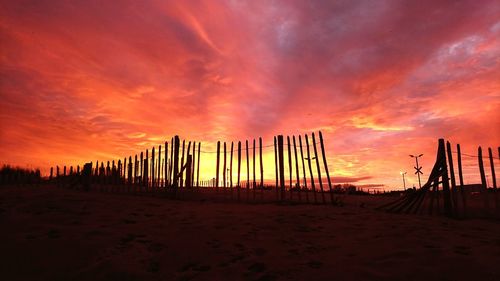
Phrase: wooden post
[198,166]
[483,179]
[303,164]
[326,167]
[175,164]
[297,168]
[224,169]
[248,170]
[135,170]
[129,170]
[181,179]
[276,167]
[454,194]
[165,171]
[231,170]
[253,164]
[171,171]
[281,162]
[158,180]
[153,168]
[261,165]
[319,170]
[310,170]
[239,169]
[217,167]
[290,166]
[446,185]
[141,168]
[493,176]
[193,164]
[51,173]
[188,166]
[146,170]
[303,169]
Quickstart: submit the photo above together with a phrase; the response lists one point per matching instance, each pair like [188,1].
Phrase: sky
[101,80]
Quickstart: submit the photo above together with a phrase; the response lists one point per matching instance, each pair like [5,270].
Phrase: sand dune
[56,234]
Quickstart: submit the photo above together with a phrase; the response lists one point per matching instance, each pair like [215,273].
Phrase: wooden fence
[441,194]
[176,172]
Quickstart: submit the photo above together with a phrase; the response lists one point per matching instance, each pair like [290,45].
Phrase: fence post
[483,179]
[175,164]
[165,171]
[281,162]
[303,169]
[297,176]
[319,170]
[461,178]
[276,167]
[239,169]
[217,168]
[254,185]
[446,186]
[493,176]
[153,168]
[146,170]
[231,170]
[248,170]
[188,166]
[261,165]
[193,164]
[181,180]
[170,169]
[224,170]
[290,173]
[198,165]
[310,170]
[454,194]
[158,179]
[326,166]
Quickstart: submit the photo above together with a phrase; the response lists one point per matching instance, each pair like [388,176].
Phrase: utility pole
[418,169]
[404,182]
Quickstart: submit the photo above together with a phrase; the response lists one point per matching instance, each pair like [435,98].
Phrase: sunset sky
[100,80]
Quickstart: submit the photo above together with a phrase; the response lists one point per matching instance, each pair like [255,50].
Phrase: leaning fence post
[454,194]
[493,176]
[310,170]
[326,166]
[181,181]
[188,166]
[303,169]
[483,179]
[446,186]
[319,170]
[297,176]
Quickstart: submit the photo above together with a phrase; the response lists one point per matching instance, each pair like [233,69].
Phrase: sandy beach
[57,234]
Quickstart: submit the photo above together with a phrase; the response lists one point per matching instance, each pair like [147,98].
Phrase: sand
[48,233]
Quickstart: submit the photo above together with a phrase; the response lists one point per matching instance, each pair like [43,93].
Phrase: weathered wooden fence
[176,172]
[441,194]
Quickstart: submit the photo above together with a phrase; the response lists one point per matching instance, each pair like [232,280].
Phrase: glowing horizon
[83,81]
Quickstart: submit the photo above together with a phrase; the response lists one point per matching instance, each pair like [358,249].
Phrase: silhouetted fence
[176,171]
[441,194]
